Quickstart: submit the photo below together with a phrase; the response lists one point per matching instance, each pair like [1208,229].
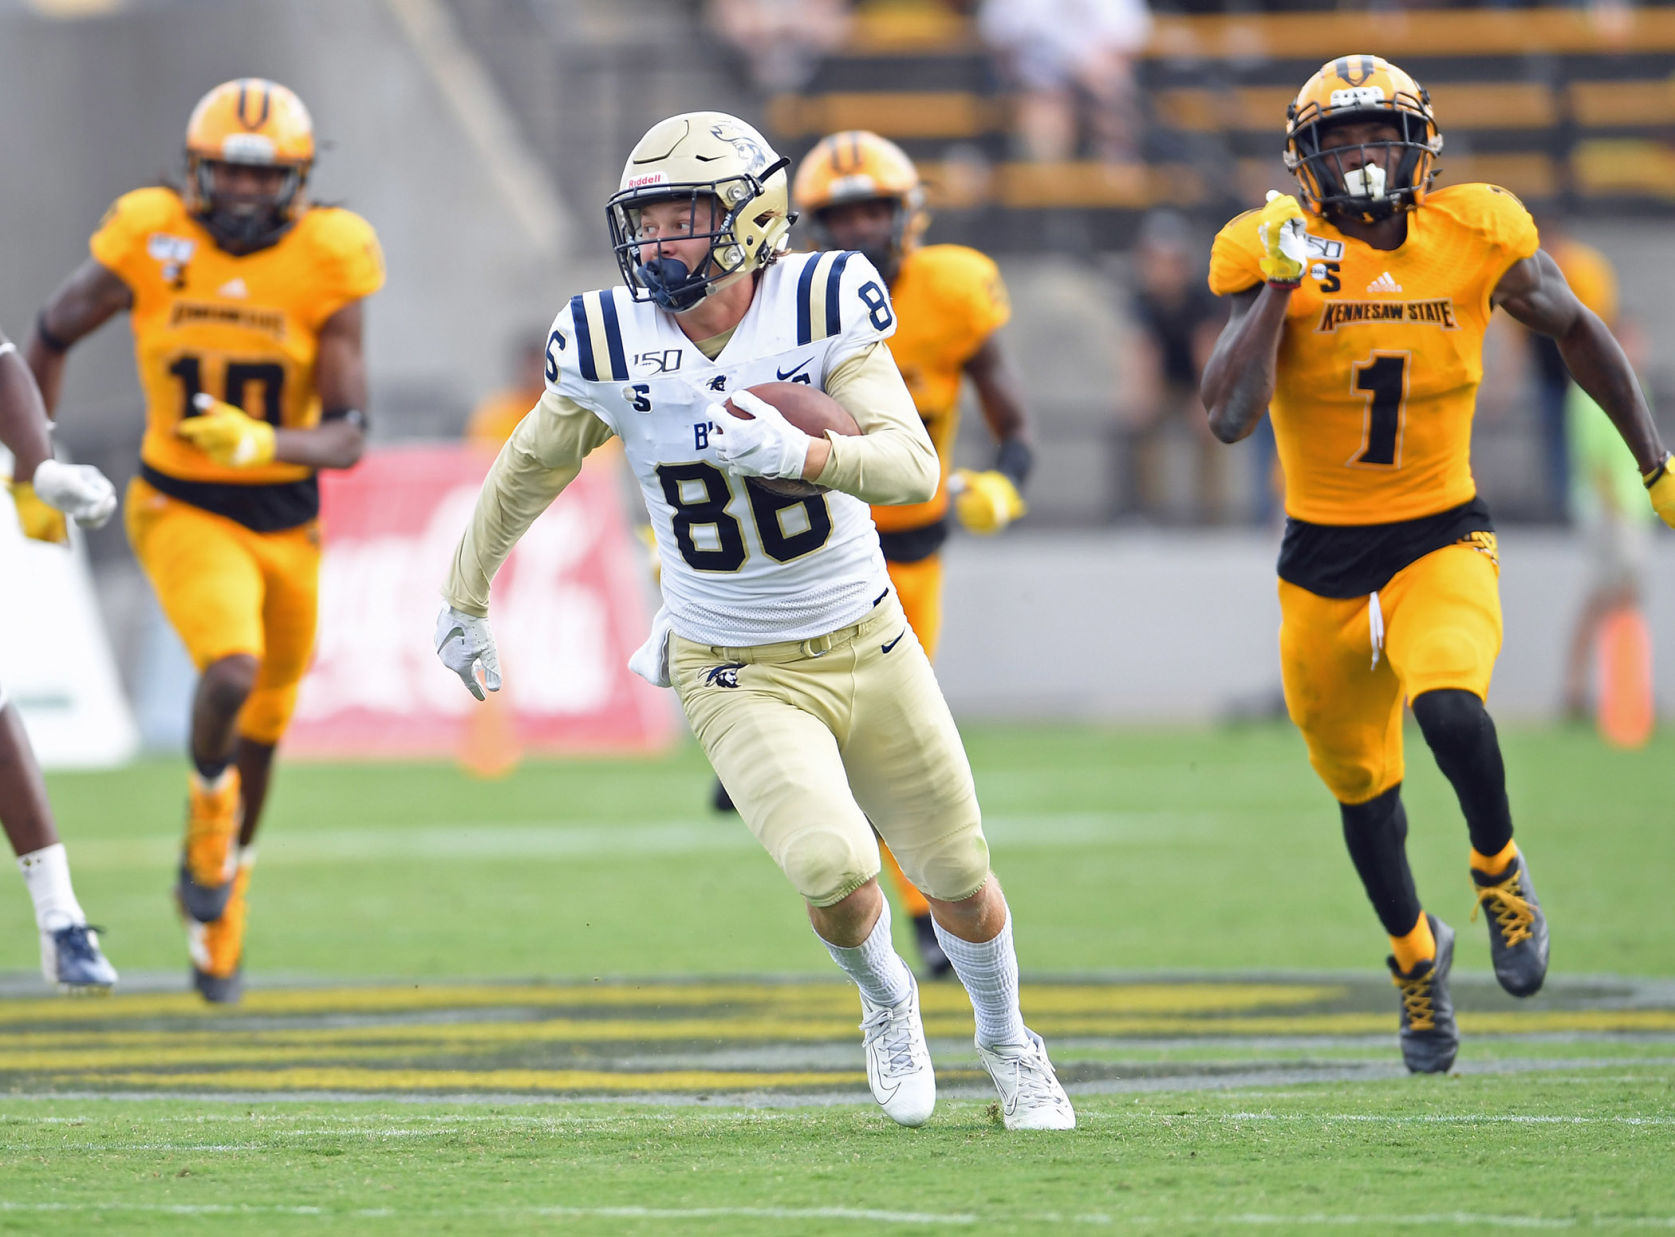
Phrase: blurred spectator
[497,415]
[1064,57]
[1590,274]
[782,41]
[1608,505]
[1178,320]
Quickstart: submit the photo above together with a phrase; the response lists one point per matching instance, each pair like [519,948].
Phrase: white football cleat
[1030,1095]
[898,1059]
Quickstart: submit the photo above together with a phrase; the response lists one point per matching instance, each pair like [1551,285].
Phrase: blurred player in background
[45,491]
[861,192]
[245,302]
[1360,319]
[780,632]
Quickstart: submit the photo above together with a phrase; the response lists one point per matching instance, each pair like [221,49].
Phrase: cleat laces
[898,1052]
[74,941]
[1033,1080]
[1512,912]
[1416,998]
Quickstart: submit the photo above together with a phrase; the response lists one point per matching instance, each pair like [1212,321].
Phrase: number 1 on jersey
[1383,380]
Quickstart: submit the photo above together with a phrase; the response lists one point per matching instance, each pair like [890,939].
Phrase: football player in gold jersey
[857,190]
[1357,322]
[246,306]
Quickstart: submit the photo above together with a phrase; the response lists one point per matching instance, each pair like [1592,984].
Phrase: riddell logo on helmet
[650,178]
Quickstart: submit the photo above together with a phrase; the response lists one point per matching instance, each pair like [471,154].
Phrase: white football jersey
[740,566]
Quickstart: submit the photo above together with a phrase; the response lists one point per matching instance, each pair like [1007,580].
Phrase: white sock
[989,971]
[46,874]
[874,964]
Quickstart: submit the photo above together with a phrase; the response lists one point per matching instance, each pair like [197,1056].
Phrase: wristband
[354,416]
[1656,475]
[49,341]
[1015,459]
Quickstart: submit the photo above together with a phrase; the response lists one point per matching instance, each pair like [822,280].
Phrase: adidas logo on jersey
[1384,283]
[233,287]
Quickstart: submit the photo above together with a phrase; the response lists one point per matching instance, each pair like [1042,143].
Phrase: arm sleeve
[892,461]
[543,456]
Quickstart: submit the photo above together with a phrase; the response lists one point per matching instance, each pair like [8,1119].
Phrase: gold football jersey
[948,299]
[1382,355]
[244,328]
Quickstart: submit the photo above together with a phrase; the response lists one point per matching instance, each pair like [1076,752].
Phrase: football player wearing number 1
[1357,323]
[780,632]
[246,307]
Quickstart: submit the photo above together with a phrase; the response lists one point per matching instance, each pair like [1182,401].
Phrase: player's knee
[953,869]
[827,866]
[1453,721]
[267,713]
[1349,778]
[227,683]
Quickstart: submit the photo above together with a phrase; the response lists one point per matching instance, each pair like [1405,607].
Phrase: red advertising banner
[569,607]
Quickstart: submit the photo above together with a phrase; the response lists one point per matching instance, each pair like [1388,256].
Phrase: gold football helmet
[249,122]
[858,166]
[702,158]
[1362,88]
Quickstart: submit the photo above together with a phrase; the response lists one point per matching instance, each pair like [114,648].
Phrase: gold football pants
[227,589]
[819,741]
[1345,685]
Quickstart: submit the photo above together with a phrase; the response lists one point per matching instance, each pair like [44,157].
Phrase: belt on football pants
[814,646]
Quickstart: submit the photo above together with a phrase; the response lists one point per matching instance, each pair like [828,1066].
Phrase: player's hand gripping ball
[794,413]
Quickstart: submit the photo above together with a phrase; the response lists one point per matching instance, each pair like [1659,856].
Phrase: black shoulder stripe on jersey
[805,290]
[834,282]
[584,340]
[613,336]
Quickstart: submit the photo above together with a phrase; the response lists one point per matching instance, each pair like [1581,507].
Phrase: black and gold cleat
[1430,1039]
[1517,927]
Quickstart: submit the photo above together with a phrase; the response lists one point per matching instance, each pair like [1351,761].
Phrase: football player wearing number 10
[780,632]
[1357,322]
[245,302]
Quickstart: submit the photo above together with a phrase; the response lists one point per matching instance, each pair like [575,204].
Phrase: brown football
[810,410]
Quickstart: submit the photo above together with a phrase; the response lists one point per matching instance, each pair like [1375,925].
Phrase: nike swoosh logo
[896,641]
[786,373]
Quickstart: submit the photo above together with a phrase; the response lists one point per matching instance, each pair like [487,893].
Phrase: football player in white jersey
[44,492]
[779,631]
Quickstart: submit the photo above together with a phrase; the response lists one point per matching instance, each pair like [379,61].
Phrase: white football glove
[463,642]
[767,446]
[80,491]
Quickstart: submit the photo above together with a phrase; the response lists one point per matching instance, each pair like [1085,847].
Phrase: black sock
[1376,834]
[1462,738]
[209,770]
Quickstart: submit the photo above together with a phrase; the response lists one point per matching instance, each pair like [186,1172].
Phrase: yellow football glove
[1280,229]
[38,521]
[228,435]
[985,502]
[1660,484]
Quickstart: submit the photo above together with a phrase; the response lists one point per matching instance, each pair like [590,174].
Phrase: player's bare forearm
[1534,292]
[1000,392]
[89,298]
[1238,381]
[340,380]
[23,420]
[335,443]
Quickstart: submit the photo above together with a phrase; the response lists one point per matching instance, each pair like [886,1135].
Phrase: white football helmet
[700,157]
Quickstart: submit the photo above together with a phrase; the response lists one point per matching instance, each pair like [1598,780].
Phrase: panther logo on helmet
[739,196]
[1362,88]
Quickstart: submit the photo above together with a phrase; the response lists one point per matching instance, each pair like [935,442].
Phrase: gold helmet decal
[249,122]
[739,195]
[1366,183]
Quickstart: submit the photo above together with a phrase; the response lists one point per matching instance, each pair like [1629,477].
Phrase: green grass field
[574,999]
